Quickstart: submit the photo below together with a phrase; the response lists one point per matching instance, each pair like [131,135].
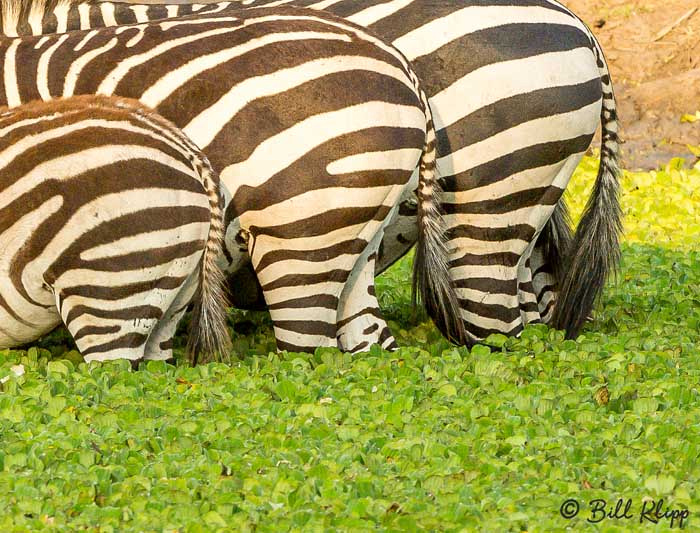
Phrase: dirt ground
[653,48]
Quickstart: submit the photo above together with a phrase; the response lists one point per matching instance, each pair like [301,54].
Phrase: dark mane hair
[15,15]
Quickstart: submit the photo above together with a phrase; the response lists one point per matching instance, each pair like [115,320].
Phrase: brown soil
[654,58]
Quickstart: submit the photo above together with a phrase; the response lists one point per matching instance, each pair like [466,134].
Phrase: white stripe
[491,83]
[141,13]
[10,75]
[497,272]
[88,36]
[107,207]
[84,14]
[373,14]
[298,208]
[489,323]
[123,68]
[206,126]
[478,247]
[14,239]
[324,4]
[291,144]
[61,14]
[194,22]
[525,215]
[42,76]
[170,82]
[73,164]
[77,66]
[401,159]
[543,130]
[279,269]
[41,42]
[149,240]
[107,12]
[181,267]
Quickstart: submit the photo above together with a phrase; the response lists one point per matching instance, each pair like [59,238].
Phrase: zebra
[318,130]
[517,92]
[111,223]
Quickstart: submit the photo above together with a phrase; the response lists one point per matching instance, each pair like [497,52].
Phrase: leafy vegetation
[430,437]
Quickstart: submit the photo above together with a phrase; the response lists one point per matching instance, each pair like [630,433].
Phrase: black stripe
[307,327]
[419,13]
[541,196]
[295,280]
[129,313]
[130,340]
[496,234]
[113,293]
[354,246]
[534,156]
[320,300]
[489,46]
[493,260]
[507,113]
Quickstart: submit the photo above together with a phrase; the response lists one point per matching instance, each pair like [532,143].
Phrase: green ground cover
[430,437]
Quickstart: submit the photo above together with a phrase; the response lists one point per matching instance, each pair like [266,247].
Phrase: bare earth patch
[653,48]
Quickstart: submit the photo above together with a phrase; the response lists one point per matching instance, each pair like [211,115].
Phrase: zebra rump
[110,221]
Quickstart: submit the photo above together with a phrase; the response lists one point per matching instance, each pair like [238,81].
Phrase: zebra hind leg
[360,322]
[302,289]
[102,333]
[159,346]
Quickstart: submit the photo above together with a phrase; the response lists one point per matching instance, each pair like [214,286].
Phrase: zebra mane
[17,16]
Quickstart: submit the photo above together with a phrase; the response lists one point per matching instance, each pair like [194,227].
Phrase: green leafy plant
[429,437]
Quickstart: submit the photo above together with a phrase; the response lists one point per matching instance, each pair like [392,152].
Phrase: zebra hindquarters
[503,280]
[317,269]
[123,285]
[110,214]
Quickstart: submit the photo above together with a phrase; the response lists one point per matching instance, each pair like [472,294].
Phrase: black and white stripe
[517,90]
[318,129]
[110,220]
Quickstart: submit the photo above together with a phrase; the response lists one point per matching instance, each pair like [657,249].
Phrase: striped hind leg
[544,284]
[115,322]
[302,288]
[159,346]
[360,322]
[104,333]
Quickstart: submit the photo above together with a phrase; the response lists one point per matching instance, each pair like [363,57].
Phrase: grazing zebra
[517,92]
[318,129]
[110,221]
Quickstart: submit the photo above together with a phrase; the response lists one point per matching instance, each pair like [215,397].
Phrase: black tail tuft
[431,271]
[595,251]
[209,338]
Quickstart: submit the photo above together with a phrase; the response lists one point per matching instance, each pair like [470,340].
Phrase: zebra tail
[208,337]
[595,250]
[431,273]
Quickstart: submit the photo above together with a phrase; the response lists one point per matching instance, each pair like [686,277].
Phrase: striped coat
[517,92]
[319,130]
[110,221]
